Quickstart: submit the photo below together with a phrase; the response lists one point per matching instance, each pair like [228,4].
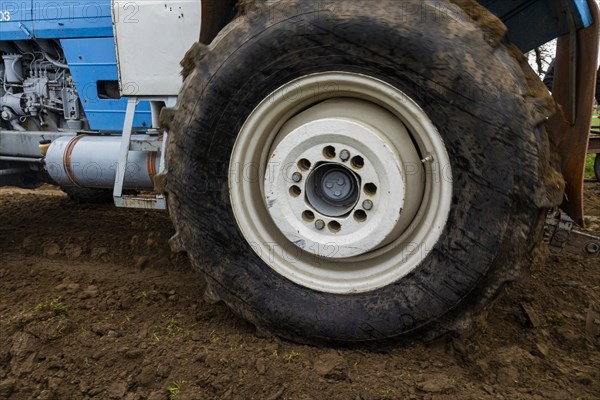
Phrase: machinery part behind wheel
[88,196]
[339,186]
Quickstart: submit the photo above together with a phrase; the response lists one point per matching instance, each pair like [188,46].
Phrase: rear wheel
[338,186]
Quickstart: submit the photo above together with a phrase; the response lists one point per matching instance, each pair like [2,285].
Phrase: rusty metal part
[594,145]
[151,164]
[560,237]
[572,106]
[571,139]
[143,202]
[67,159]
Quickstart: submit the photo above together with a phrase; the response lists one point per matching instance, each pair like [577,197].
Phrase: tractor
[338,171]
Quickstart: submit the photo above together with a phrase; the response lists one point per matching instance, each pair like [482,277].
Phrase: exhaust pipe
[92,161]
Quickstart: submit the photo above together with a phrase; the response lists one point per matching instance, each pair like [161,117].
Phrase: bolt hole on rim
[334,226]
[308,216]
[295,191]
[360,215]
[304,164]
[370,189]
[329,152]
[358,162]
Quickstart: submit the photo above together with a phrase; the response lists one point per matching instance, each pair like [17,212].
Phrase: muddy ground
[94,306]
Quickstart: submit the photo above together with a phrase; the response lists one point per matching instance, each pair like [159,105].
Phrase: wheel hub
[332,189]
[354,194]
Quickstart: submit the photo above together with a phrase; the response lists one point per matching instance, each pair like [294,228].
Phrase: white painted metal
[364,257]
[359,128]
[125,145]
[151,38]
[153,201]
[26,144]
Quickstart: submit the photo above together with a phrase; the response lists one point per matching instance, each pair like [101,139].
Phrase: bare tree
[541,57]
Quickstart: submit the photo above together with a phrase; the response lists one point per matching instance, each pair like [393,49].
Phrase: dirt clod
[331,365]
[90,292]
[532,315]
[7,387]
[439,383]
[51,249]
[142,262]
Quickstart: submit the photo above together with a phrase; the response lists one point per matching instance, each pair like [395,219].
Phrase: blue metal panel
[15,21]
[584,12]
[54,19]
[92,60]
[71,19]
[532,23]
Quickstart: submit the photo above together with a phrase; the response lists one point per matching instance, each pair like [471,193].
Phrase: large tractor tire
[358,172]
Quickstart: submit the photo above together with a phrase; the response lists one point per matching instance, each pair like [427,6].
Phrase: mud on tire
[475,91]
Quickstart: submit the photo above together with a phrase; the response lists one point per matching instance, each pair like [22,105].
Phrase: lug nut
[344,155]
[367,205]
[297,177]
[320,224]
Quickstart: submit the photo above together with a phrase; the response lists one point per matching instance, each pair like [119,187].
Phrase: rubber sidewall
[471,92]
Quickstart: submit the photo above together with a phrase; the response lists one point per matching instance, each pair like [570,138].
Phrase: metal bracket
[157,201]
[572,64]
[560,236]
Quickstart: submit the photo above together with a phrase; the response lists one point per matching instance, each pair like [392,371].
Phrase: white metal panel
[152,37]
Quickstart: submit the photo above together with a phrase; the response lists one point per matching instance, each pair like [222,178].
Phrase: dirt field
[94,306]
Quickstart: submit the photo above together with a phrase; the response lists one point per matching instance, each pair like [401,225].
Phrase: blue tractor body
[85,32]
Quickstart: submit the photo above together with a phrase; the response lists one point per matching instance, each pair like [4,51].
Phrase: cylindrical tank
[92,162]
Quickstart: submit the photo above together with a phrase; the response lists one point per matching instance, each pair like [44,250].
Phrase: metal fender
[574,92]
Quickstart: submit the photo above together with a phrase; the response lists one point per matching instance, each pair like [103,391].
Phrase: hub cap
[332,190]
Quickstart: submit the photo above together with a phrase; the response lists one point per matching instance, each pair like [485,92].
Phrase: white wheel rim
[302,237]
